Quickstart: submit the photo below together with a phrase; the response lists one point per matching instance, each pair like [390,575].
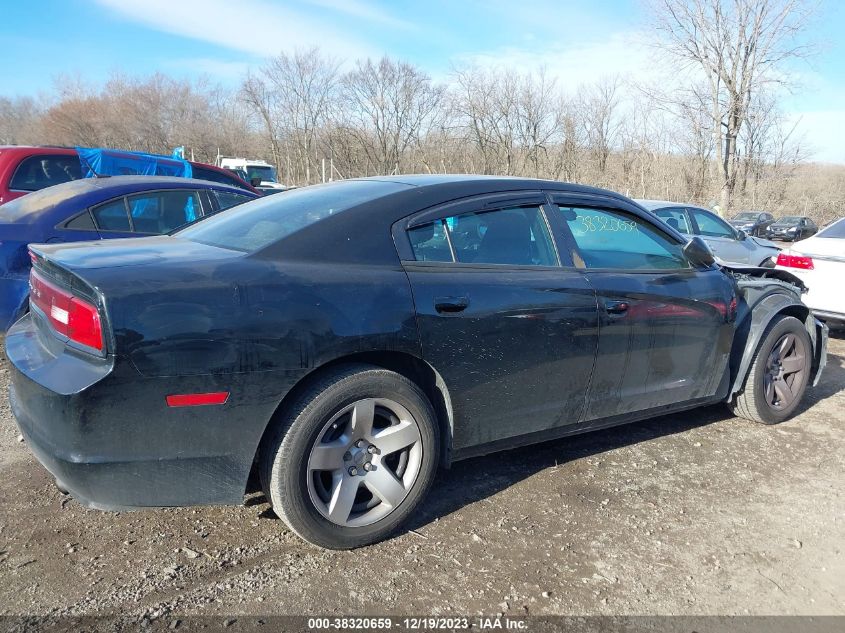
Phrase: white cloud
[576,63]
[256,27]
[362,10]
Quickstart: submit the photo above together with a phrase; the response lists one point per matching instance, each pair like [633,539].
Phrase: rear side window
[112,216]
[267,220]
[37,172]
[517,236]
[429,242]
[614,240]
[163,211]
[228,199]
[82,222]
[676,218]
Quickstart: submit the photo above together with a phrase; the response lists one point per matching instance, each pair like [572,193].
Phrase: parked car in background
[753,223]
[349,338]
[819,261]
[24,169]
[729,244]
[97,208]
[791,228]
[259,173]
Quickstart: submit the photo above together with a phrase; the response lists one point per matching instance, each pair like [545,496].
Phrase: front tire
[779,373]
[352,459]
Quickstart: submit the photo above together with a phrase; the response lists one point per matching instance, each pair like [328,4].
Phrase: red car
[25,169]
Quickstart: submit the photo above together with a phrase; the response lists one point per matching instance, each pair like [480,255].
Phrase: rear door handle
[616,307]
[451,304]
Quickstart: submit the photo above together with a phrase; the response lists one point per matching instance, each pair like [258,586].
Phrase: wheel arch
[411,367]
[752,326]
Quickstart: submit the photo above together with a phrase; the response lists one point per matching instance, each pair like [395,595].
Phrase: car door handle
[616,307]
[451,304]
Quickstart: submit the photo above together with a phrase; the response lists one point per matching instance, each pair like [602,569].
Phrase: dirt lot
[698,513]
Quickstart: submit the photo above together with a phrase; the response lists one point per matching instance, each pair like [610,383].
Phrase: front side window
[711,226]
[38,172]
[112,216]
[515,236]
[614,240]
[163,211]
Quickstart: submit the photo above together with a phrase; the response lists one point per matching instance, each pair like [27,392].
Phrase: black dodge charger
[346,340]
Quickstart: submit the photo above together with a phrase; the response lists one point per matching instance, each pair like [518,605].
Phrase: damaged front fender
[765,293]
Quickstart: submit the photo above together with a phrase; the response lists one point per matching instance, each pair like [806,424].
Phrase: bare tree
[19,120]
[600,105]
[738,46]
[389,106]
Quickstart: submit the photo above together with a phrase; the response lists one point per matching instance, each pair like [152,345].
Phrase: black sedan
[754,223]
[792,228]
[346,340]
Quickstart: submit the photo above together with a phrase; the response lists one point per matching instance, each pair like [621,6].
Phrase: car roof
[473,183]
[18,151]
[408,195]
[654,205]
[141,183]
[65,198]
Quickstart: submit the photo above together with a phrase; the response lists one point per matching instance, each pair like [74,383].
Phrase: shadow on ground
[473,480]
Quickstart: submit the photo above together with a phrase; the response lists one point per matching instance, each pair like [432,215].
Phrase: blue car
[96,209]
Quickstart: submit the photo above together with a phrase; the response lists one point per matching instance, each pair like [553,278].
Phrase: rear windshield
[255,225]
[835,230]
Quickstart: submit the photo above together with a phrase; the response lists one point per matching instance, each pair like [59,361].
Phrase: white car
[820,263]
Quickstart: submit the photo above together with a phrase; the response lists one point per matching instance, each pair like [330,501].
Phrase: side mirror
[255,181]
[741,235]
[698,253]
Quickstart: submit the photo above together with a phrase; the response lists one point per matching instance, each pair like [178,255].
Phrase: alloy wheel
[785,370]
[364,462]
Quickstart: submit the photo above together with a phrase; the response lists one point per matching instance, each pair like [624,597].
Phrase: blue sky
[577,41]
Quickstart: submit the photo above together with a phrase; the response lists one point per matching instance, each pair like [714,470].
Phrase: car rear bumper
[108,437]
[827,316]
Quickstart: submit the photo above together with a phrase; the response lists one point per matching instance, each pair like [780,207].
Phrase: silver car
[730,245]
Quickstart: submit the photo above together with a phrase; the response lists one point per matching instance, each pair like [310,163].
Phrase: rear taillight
[795,261]
[70,316]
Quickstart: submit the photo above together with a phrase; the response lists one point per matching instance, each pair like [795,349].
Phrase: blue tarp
[115,162]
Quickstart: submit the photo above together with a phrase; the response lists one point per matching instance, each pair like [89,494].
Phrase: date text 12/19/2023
[423,623]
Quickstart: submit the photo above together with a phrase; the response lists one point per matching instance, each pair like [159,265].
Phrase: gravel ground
[696,513]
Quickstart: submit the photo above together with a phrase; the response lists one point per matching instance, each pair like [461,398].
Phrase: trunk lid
[128,252]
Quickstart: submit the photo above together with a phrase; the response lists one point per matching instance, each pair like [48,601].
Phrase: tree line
[716,137]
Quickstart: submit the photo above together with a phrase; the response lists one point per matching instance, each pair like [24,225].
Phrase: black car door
[664,326]
[512,332]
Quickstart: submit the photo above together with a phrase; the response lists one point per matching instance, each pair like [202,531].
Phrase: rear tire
[779,373]
[352,458]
